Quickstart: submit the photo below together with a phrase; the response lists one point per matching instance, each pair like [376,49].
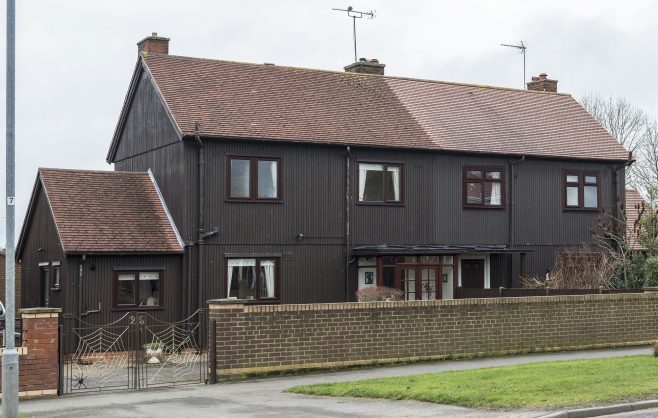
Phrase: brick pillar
[39,365]
[228,315]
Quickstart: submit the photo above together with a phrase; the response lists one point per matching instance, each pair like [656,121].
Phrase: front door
[472,274]
[419,283]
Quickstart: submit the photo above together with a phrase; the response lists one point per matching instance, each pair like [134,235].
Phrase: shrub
[583,267]
[651,271]
[379,293]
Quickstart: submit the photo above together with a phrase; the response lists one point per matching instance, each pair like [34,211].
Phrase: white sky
[75,58]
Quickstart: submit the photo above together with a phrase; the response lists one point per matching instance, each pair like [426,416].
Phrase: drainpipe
[512,202]
[347,224]
[80,270]
[200,215]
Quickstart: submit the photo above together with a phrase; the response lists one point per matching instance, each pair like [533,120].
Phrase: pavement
[265,397]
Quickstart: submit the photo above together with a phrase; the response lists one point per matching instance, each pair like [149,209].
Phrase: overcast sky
[75,58]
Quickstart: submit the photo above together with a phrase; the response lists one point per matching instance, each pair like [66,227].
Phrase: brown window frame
[484,169]
[258,257]
[56,283]
[253,179]
[384,202]
[136,271]
[581,190]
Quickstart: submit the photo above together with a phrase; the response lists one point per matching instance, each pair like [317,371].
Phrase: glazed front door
[419,283]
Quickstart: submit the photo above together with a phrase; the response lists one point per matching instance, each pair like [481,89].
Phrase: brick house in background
[17,286]
[291,185]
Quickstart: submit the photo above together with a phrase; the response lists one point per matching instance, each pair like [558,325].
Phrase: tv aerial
[521,46]
[355,14]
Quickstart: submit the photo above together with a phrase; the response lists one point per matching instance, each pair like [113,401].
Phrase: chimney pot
[153,44]
[366,66]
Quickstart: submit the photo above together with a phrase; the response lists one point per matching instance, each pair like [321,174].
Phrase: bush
[651,271]
[379,293]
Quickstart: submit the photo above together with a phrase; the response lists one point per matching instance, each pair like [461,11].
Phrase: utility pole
[10,355]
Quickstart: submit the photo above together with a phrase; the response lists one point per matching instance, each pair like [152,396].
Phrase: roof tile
[254,101]
[108,212]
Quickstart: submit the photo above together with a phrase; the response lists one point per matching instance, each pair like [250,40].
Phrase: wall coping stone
[226,303]
[216,304]
[40,312]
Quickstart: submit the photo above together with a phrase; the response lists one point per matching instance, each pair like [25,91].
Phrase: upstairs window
[252,278]
[380,183]
[483,187]
[253,178]
[581,190]
[137,289]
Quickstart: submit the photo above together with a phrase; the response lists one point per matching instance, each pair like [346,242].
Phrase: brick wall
[38,356]
[267,338]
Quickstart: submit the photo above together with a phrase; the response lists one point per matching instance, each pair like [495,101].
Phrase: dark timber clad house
[294,185]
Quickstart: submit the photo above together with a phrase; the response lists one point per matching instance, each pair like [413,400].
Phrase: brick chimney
[153,44]
[542,83]
[365,66]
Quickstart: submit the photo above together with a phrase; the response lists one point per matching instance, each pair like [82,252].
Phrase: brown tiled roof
[633,207]
[254,101]
[108,212]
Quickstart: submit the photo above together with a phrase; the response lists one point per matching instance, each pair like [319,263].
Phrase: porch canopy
[388,249]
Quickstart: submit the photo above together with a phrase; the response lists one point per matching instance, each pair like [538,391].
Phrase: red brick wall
[261,339]
[38,360]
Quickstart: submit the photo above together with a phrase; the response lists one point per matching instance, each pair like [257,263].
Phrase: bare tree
[628,124]
[645,169]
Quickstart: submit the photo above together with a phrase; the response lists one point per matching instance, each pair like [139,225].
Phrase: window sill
[137,308]
[582,209]
[228,200]
[380,203]
[471,207]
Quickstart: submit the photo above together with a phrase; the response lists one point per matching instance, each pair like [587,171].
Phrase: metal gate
[137,351]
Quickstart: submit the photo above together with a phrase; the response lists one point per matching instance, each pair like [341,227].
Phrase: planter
[153,351]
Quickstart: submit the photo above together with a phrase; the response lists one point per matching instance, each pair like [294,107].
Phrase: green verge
[537,385]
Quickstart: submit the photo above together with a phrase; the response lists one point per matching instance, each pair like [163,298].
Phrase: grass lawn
[538,385]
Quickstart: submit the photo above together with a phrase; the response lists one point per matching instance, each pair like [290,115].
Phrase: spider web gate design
[136,351]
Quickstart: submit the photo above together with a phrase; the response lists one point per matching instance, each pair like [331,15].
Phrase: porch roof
[388,249]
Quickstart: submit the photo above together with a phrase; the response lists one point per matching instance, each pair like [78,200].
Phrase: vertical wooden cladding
[41,245]
[309,273]
[539,216]
[432,212]
[97,284]
[313,184]
[147,125]
[306,228]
